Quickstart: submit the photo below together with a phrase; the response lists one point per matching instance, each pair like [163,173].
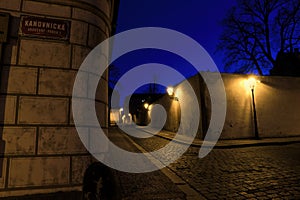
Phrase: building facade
[43,44]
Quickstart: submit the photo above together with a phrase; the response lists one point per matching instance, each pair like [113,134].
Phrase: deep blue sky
[199,19]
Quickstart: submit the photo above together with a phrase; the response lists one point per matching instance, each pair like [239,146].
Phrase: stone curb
[227,144]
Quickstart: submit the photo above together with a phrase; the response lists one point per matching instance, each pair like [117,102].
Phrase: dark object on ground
[99,183]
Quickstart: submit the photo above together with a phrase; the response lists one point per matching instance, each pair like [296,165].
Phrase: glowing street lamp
[146,105]
[170,91]
[251,82]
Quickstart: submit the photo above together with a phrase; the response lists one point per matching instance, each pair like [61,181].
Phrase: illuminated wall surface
[276,99]
[40,147]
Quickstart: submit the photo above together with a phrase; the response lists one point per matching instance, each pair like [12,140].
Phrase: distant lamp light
[170,91]
[146,105]
[251,82]
[121,110]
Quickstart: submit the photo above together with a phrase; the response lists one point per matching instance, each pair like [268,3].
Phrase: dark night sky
[198,19]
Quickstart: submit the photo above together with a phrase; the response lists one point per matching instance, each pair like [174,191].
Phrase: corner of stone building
[40,149]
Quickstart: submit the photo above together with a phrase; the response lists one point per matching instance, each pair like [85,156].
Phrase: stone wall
[276,99]
[173,108]
[41,151]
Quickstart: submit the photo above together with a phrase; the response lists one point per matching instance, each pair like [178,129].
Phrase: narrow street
[262,172]
[153,185]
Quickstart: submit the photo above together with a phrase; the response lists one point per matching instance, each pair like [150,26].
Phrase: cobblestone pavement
[264,172]
[146,186]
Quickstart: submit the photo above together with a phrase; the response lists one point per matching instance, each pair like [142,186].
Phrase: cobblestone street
[262,172]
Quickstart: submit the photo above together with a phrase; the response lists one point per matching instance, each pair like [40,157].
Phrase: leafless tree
[256,30]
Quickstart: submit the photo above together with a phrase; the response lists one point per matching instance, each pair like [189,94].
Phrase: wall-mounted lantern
[170,91]
[251,83]
[146,105]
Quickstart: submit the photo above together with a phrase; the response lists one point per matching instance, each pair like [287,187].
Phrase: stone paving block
[40,53]
[79,54]
[46,9]
[10,4]
[59,140]
[79,165]
[56,82]
[43,110]
[8,105]
[38,171]
[19,80]
[19,140]
[79,32]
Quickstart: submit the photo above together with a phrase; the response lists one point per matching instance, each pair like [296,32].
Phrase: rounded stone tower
[43,44]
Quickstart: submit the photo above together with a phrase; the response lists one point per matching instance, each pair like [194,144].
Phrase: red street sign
[45,27]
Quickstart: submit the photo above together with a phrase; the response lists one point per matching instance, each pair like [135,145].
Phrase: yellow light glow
[170,91]
[251,83]
[146,105]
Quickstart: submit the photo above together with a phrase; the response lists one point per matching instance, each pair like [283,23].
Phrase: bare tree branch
[256,30]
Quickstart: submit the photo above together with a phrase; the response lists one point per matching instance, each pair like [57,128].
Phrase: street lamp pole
[254,115]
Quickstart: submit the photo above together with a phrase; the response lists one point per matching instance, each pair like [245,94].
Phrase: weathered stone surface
[19,80]
[104,5]
[258,172]
[8,105]
[79,54]
[88,17]
[38,171]
[277,106]
[101,111]
[79,165]
[55,140]
[2,178]
[84,110]
[14,26]
[46,9]
[96,36]
[102,89]
[56,82]
[10,52]
[79,32]
[43,110]
[19,140]
[97,146]
[238,123]
[39,53]
[35,107]
[84,115]
[10,4]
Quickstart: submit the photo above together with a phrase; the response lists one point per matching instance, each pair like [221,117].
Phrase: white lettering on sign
[45,27]
[49,25]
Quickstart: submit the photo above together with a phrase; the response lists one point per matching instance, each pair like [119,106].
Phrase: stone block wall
[276,99]
[40,149]
[277,107]
[174,108]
